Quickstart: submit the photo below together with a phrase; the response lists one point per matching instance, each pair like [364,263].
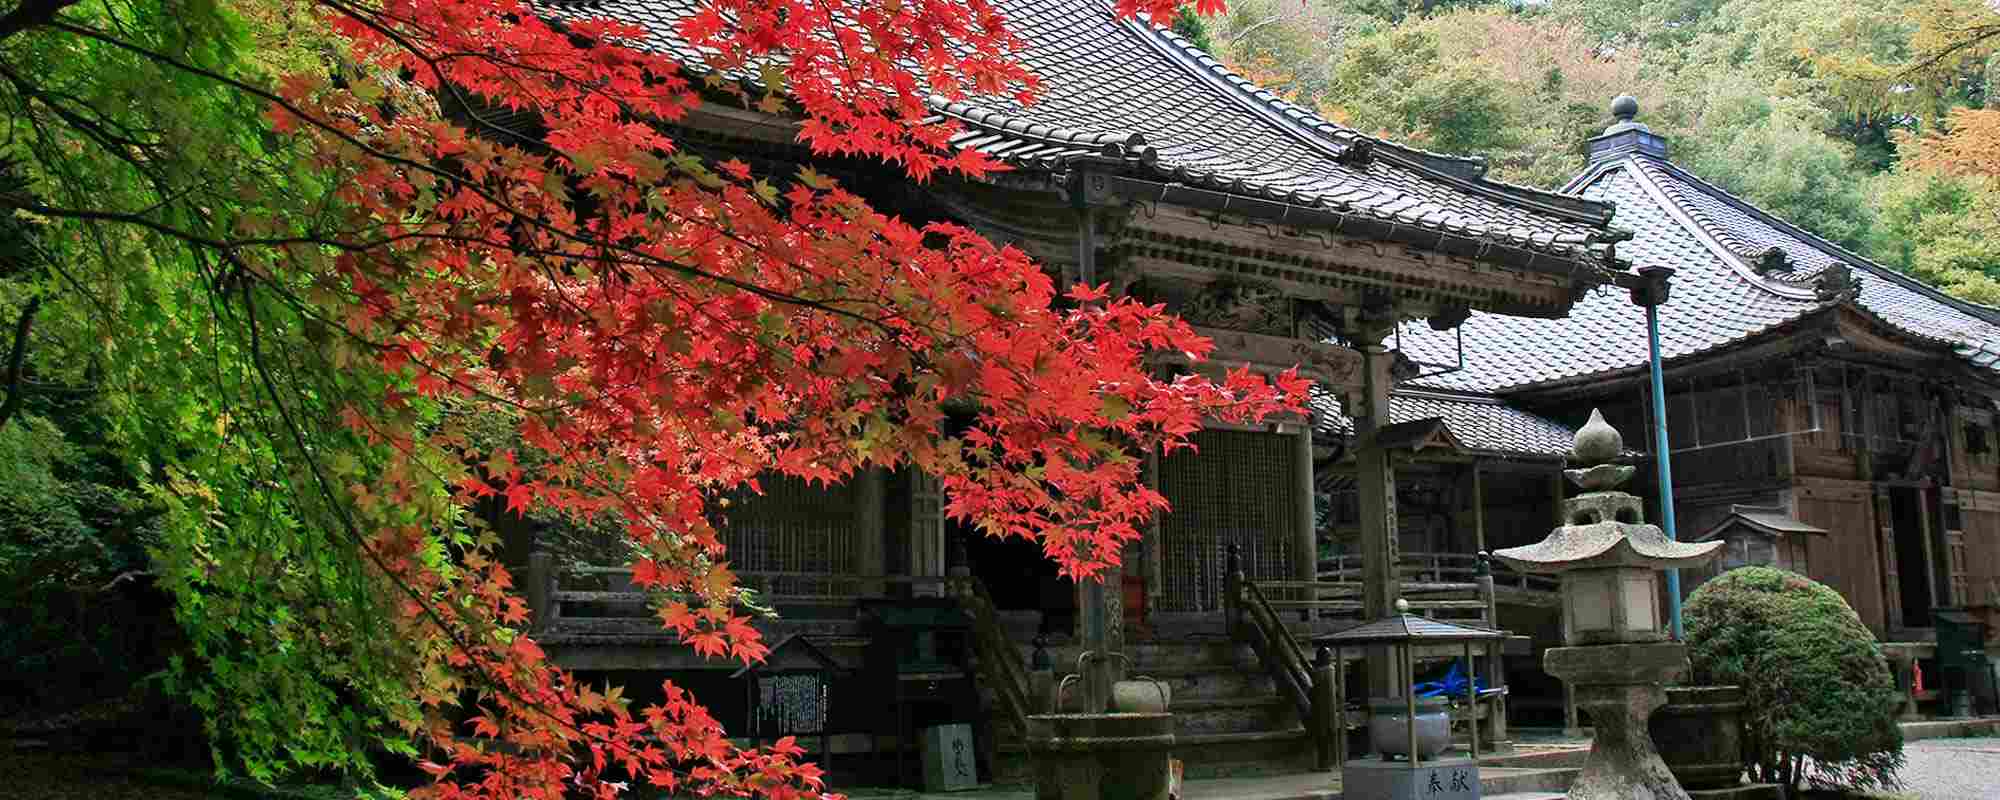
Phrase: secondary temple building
[1826,414]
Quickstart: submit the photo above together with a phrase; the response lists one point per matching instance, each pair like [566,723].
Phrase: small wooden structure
[789,693]
[1762,536]
[1403,634]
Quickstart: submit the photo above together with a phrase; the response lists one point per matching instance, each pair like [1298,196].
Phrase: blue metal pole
[1665,462]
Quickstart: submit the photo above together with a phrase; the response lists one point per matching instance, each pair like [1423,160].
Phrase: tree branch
[30,13]
[14,359]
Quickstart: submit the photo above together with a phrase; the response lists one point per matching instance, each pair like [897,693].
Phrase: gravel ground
[1952,769]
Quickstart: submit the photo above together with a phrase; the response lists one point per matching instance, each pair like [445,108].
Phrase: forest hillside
[1867,123]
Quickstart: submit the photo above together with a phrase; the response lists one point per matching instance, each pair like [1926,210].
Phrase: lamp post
[1652,294]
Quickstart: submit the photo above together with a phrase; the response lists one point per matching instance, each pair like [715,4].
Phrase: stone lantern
[1618,657]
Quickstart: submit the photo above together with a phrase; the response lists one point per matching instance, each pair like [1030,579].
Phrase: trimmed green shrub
[1820,701]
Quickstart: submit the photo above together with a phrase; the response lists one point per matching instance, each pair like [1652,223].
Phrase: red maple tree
[666,329]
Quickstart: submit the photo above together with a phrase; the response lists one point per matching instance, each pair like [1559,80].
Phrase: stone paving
[1951,769]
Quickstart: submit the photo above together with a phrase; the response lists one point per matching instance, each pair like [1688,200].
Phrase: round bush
[1820,702]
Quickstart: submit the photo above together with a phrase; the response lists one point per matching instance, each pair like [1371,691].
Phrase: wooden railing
[999,659]
[553,592]
[1276,649]
[1416,569]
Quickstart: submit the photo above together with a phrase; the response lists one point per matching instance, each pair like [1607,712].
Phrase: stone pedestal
[1101,756]
[1700,735]
[1620,686]
[1443,779]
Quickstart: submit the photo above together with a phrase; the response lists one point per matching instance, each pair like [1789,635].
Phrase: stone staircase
[1230,720]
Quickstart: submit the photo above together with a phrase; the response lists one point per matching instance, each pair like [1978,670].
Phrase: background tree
[1840,117]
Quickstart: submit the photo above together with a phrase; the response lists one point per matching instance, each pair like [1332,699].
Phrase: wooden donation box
[916,662]
[789,694]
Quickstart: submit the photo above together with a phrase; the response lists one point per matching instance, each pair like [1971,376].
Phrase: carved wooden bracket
[1334,367]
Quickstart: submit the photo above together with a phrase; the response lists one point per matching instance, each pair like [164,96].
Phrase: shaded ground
[47,776]
[57,776]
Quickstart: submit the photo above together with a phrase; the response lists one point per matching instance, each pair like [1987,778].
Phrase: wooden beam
[1325,265]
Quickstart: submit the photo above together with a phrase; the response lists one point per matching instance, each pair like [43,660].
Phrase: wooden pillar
[1377,487]
[1924,526]
[1863,400]
[1307,539]
[926,543]
[1496,671]
[1327,727]
[869,532]
[540,590]
[1478,508]
[1892,582]
[1154,551]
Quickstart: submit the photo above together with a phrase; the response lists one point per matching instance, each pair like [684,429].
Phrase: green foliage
[1941,229]
[1190,26]
[216,393]
[63,521]
[1779,159]
[1401,83]
[1820,702]
[1524,91]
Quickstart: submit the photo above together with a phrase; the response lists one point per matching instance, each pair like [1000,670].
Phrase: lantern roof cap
[1408,628]
[1605,545]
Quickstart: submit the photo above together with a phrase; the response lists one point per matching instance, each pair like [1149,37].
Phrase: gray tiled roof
[1482,424]
[1138,94]
[1713,241]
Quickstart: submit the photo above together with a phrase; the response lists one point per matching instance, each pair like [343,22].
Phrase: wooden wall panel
[1982,555]
[1847,558]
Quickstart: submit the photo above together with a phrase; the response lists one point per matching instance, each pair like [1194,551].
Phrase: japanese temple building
[1452,324]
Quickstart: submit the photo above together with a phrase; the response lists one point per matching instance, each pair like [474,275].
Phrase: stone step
[1193,651]
[1233,715]
[1214,683]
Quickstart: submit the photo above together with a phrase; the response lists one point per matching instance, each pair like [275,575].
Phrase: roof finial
[1625,107]
[1595,450]
[1596,442]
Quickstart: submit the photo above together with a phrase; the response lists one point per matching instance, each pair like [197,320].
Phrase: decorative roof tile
[1133,91]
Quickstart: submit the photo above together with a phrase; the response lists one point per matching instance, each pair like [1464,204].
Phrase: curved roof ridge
[1730,250]
[1115,144]
[1987,314]
[1467,171]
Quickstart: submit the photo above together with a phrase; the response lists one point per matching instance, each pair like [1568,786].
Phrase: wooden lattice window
[1237,488]
[794,528]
